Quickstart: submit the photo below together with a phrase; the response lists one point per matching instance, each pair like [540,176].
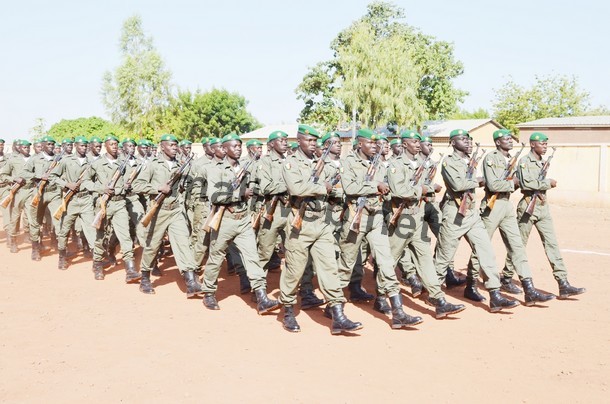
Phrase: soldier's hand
[383,188]
[328,186]
[72,186]
[481,181]
[437,188]
[109,191]
[165,189]
[127,186]
[553,183]
[45,177]
[248,192]
[19,181]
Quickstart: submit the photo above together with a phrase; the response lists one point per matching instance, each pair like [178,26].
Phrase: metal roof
[569,121]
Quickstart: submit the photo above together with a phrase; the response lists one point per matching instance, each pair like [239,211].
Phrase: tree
[93,126]
[550,96]
[475,114]
[386,69]
[39,130]
[214,113]
[136,94]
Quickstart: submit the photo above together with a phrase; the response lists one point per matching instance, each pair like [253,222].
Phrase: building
[570,130]
[481,130]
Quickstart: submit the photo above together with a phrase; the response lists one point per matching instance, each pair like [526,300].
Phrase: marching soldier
[396,146]
[455,226]
[228,192]
[4,189]
[95,147]
[134,205]
[157,177]
[314,239]
[533,185]
[69,175]
[292,148]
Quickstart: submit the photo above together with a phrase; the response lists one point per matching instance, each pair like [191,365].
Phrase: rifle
[97,220]
[508,175]
[208,221]
[64,204]
[470,171]
[545,168]
[265,213]
[216,219]
[361,202]
[297,222]
[43,183]
[158,201]
[413,182]
[9,198]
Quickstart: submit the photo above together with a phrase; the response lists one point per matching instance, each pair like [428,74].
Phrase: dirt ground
[67,338]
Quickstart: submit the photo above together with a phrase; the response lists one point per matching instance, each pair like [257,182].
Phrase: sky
[54,53]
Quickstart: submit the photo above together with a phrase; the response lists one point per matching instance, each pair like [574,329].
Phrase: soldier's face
[368,147]
[37,147]
[335,146]
[397,149]
[384,146]
[81,149]
[426,148]
[255,150]
[208,149]
[186,149]
[25,150]
[68,147]
[96,148]
[280,145]
[504,143]
[412,146]
[112,147]
[128,148]
[143,150]
[232,149]
[169,148]
[307,144]
[539,147]
[218,151]
[49,148]
[462,144]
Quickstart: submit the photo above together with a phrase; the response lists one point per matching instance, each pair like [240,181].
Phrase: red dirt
[67,338]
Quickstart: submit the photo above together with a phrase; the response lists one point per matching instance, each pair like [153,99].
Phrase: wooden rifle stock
[43,183]
[361,202]
[11,195]
[508,175]
[208,221]
[64,203]
[536,195]
[99,217]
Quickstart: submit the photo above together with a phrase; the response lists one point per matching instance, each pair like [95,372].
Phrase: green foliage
[93,126]
[464,114]
[39,130]
[387,70]
[138,91]
[551,96]
[214,113]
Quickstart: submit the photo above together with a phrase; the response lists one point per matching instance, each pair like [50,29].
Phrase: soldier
[38,169]
[314,238]
[134,205]
[68,146]
[142,151]
[455,226]
[363,183]
[501,215]
[154,179]
[11,172]
[106,177]
[95,147]
[533,185]
[406,232]
[4,189]
[69,175]
[227,190]
[186,146]
[37,147]
[396,146]
[292,148]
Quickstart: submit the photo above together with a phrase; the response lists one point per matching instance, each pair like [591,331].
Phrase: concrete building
[570,130]
[481,130]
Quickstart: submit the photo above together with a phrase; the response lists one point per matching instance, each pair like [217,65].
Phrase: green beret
[330,135]
[1,140]
[95,139]
[213,140]
[205,140]
[185,142]
[367,134]
[229,137]
[111,137]
[143,142]
[254,142]
[538,136]
[319,143]
[426,139]
[128,140]
[168,138]
[410,134]
[501,133]
[394,141]
[308,130]
[293,145]
[382,137]
[276,135]
[458,132]
[48,139]
[81,139]
[67,141]
[23,142]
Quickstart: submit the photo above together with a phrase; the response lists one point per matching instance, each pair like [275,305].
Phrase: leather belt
[116,198]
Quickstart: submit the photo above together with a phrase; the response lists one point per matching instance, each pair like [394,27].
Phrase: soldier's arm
[27,172]
[267,182]
[219,188]
[143,184]
[528,174]
[493,172]
[400,182]
[355,184]
[55,177]
[455,178]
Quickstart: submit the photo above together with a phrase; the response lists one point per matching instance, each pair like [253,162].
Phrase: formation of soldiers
[328,215]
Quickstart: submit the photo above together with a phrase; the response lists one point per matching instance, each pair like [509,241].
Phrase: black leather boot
[131,274]
[358,294]
[566,290]
[193,288]
[145,284]
[210,302]
[471,292]
[36,251]
[498,302]
[400,319]
[509,287]
[340,322]
[381,305]
[263,303]
[309,300]
[62,264]
[532,295]
[415,284]
[98,271]
[244,284]
[451,280]
[444,308]
[290,322]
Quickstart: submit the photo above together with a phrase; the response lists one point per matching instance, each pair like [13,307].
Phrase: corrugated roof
[443,128]
[568,121]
